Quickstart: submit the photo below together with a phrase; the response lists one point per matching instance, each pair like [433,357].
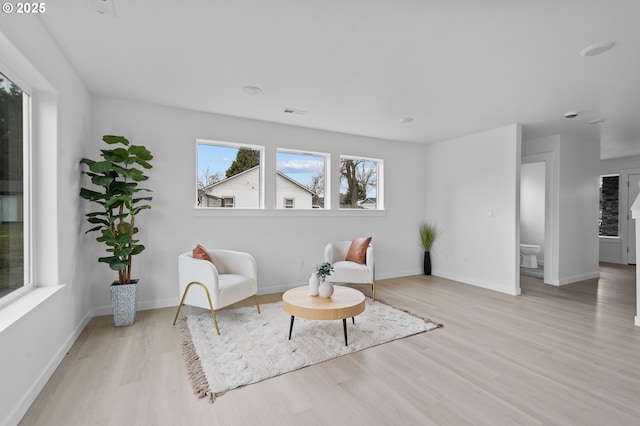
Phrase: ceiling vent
[294,111]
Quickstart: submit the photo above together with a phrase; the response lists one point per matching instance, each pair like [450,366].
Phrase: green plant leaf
[101,166]
[111,139]
[140,152]
[87,161]
[117,155]
[137,249]
[137,210]
[114,262]
[101,180]
[88,194]
[97,220]
[95,228]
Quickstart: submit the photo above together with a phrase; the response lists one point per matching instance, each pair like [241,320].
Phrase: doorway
[532,215]
[550,239]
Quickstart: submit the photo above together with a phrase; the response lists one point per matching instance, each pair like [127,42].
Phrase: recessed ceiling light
[571,114]
[406,120]
[596,121]
[252,90]
[597,49]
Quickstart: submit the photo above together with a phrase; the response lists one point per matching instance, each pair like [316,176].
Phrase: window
[230,175]
[300,179]
[360,183]
[15,113]
[228,202]
[609,201]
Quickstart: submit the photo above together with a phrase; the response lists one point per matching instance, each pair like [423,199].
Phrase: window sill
[20,307]
[203,212]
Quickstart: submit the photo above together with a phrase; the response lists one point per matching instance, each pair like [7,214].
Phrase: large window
[229,175]
[300,180]
[360,183]
[14,194]
[609,201]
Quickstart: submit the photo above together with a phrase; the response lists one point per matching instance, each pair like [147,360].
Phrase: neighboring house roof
[207,188]
[369,200]
[295,182]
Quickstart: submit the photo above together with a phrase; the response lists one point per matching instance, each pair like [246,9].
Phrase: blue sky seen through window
[216,159]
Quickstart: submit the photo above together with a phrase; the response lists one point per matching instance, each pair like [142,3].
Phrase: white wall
[615,249]
[37,330]
[472,196]
[278,238]
[572,193]
[532,205]
[579,205]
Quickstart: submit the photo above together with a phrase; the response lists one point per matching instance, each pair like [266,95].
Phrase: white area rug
[254,347]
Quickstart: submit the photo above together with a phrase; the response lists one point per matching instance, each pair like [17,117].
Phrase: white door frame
[624,213]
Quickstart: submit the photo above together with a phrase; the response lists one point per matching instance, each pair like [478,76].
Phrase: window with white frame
[230,175]
[361,183]
[301,179]
[609,203]
[15,142]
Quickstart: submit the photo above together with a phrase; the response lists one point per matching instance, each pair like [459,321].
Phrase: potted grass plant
[116,193]
[428,233]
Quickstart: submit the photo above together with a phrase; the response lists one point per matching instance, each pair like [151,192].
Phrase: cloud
[299,166]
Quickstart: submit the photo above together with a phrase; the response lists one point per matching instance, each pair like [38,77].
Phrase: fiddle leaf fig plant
[119,199]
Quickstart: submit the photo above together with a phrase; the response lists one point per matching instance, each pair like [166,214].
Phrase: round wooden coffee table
[344,303]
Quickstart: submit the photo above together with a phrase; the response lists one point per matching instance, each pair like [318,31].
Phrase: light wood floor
[554,355]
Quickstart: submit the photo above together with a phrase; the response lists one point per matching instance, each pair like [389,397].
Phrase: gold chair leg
[255,296]
[206,290]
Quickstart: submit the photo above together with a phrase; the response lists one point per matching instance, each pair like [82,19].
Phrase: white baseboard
[478,283]
[576,278]
[142,306]
[606,260]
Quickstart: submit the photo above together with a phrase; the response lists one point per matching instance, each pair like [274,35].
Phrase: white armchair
[233,276]
[345,271]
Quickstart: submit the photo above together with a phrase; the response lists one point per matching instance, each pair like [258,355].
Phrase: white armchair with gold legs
[228,277]
[355,271]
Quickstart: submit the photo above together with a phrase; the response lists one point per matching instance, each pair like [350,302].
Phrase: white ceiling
[359,66]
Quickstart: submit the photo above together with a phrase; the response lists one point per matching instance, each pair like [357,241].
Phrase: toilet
[529,255]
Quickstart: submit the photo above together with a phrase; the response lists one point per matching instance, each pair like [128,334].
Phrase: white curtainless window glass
[300,179]
[230,175]
[361,183]
[15,142]
[609,201]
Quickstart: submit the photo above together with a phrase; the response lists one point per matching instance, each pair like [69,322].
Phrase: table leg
[344,325]
[291,326]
